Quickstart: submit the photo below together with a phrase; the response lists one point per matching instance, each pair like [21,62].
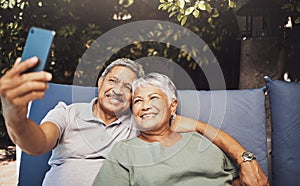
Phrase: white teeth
[114,100]
[147,116]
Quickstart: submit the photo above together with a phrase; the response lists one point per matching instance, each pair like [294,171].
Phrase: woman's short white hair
[161,81]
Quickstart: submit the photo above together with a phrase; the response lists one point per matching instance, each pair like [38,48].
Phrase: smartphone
[38,43]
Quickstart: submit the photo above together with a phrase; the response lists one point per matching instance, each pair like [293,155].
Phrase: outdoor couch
[241,113]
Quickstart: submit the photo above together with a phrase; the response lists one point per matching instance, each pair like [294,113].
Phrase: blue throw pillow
[285,117]
[241,113]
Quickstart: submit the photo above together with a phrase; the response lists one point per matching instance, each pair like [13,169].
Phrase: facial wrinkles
[148,103]
[115,91]
[118,89]
[148,108]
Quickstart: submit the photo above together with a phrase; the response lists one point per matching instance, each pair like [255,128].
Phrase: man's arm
[236,182]
[251,173]
[17,89]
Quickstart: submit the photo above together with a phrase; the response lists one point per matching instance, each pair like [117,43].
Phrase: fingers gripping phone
[38,43]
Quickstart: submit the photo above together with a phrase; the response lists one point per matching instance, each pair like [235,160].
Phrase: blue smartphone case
[38,43]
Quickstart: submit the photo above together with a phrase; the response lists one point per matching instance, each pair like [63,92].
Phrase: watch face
[248,156]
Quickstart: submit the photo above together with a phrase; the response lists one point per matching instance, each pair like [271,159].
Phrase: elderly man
[81,135]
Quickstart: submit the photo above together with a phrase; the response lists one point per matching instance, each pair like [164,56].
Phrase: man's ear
[173,106]
[100,81]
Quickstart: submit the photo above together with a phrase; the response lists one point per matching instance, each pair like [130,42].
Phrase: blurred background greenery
[78,23]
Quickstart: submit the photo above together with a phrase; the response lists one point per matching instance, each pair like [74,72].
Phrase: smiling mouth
[114,99]
[148,115]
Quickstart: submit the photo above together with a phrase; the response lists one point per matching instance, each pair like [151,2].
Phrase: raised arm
[251,174]
[17,89]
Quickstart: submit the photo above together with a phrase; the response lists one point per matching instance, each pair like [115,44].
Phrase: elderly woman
[159,156]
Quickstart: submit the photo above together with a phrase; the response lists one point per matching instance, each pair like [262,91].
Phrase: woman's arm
[251,173]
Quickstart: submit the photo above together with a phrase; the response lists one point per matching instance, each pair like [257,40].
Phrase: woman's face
[151,109]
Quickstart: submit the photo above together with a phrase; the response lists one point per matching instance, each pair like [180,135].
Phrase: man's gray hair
[135,67]
[161,81]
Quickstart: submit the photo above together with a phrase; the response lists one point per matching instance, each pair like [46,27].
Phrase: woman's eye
[154,97]
[137,101]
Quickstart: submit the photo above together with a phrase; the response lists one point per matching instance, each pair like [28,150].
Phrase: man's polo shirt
[84,142]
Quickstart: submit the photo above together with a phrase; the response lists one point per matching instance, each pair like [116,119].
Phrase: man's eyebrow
[113,76]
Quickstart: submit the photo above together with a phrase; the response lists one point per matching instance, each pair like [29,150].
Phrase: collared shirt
[84,142]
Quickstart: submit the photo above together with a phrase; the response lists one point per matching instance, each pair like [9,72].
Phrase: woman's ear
[173,106]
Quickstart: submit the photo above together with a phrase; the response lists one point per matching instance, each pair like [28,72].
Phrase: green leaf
[161,1]
[183,20]
[202,6]
[208,7]
[231,4]
[181,3]
[297,20]
[298,8]
[216,13]
[189,10]
[181,11]
[174,8]
[22,5]
[196,13]
[205,48]
[166,6]
[179,17]
[170,9]
[11,3]
[171,14]
[160,6]
[194,66]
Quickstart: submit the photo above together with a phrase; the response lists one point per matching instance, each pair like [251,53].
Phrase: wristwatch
[248,156]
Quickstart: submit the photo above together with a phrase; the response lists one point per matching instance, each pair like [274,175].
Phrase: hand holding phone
[38,43]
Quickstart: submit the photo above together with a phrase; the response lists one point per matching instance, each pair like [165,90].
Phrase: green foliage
[11,26]
[78,23]
[293,8]
[199,9]
[64,16]
[74,34]
[204,17]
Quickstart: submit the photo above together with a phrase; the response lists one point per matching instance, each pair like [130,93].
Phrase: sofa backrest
[241,113]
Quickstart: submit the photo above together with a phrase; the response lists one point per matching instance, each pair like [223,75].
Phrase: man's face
[114,91]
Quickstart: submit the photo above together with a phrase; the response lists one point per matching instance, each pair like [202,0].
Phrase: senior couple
[81,135]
